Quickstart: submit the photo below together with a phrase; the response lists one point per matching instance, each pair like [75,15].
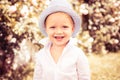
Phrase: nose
[59,31]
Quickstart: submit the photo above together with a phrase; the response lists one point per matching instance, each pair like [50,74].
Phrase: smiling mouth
[59,37]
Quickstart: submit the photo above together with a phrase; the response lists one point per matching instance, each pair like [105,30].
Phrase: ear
[73,28]
[46,30]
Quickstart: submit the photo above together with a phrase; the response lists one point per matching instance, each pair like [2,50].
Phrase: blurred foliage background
[20,35]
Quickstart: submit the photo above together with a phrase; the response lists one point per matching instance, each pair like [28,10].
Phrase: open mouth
[58,37]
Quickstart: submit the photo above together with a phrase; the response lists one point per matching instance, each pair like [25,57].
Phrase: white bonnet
[63,6]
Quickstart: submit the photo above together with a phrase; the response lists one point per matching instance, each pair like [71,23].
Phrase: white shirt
[72,64]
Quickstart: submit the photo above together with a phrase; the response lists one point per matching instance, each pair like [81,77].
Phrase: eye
[65,26]
[52,27]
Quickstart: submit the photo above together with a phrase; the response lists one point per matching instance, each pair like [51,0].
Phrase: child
[60,59]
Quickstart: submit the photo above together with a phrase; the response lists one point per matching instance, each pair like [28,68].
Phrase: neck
[57,48]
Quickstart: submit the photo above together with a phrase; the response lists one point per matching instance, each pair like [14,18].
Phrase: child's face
[59,27]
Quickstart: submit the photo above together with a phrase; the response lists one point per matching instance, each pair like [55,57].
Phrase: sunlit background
[20,37]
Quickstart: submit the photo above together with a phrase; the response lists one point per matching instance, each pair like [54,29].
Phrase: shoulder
[76,49]
[39,54]
[73,46]
[79,52]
